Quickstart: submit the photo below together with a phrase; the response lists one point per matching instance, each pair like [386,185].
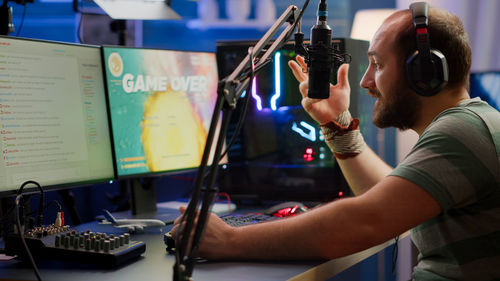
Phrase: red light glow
[308,157]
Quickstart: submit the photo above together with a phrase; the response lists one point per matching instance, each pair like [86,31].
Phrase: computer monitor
[160,103]
[281,153]
[53,115]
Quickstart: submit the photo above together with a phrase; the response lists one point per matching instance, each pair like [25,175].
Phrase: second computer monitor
[161,103]
[53,120]
[281,153]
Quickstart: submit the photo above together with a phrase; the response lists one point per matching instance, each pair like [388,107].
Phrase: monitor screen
[280,153]
[161,103]
[53,118]
[276,126]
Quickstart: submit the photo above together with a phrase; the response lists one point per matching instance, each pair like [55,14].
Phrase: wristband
[343,136]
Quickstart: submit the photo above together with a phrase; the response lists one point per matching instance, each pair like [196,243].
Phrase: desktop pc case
[280,153]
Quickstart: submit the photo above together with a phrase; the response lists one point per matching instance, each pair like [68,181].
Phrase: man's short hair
[447,34]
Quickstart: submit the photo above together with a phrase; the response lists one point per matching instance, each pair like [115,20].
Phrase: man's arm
[364,170]
[340,228]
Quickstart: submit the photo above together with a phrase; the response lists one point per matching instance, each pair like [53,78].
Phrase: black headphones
[426,68]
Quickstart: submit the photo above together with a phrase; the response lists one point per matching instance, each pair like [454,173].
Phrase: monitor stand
[142,195]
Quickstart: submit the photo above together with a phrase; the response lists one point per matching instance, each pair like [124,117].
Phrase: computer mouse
[286,209]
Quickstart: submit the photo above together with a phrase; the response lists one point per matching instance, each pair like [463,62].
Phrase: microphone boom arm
[228,92]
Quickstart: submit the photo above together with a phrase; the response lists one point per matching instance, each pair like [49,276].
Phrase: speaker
[426,68]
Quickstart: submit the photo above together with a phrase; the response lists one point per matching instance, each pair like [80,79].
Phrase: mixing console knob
[66,241]
[97,245]
[106,246]
[57,241]
[87,244]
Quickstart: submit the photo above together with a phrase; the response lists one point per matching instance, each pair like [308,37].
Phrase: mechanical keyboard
[62,243]
[246,218]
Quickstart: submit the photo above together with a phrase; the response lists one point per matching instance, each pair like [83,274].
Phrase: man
[447,190]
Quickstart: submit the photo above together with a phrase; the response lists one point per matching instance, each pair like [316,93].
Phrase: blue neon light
[277,80]
[254,94]
[277,86]
[312,131]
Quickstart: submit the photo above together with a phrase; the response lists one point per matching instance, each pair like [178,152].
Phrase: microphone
[320,61]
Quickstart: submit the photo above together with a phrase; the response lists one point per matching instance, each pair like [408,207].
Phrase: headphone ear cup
[427,76]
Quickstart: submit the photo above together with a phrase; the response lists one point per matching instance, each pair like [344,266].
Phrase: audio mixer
[65,244]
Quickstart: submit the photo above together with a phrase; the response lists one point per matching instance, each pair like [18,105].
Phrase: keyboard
[242,219]
[62,243]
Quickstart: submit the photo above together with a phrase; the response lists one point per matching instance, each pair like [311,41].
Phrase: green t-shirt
[456,160]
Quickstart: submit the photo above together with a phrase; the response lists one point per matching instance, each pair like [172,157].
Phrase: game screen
[161,103]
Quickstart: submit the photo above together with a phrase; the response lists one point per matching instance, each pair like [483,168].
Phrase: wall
[57,20]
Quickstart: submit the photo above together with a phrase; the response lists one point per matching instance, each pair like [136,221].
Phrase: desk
[156,264]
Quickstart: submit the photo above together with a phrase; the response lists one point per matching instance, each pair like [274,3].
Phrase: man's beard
[397,108]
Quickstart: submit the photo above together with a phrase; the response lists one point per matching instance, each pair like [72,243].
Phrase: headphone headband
[420,12]
[426,68]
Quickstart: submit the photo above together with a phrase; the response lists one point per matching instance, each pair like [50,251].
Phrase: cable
[228,199]
[18,223]
[79,29]
[239,125]
[19,229]
[395,254]
[241,118]
[40,204]
[304,7]
[22,20]
[54,202]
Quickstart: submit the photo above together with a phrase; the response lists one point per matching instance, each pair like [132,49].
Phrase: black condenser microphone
[320,60]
